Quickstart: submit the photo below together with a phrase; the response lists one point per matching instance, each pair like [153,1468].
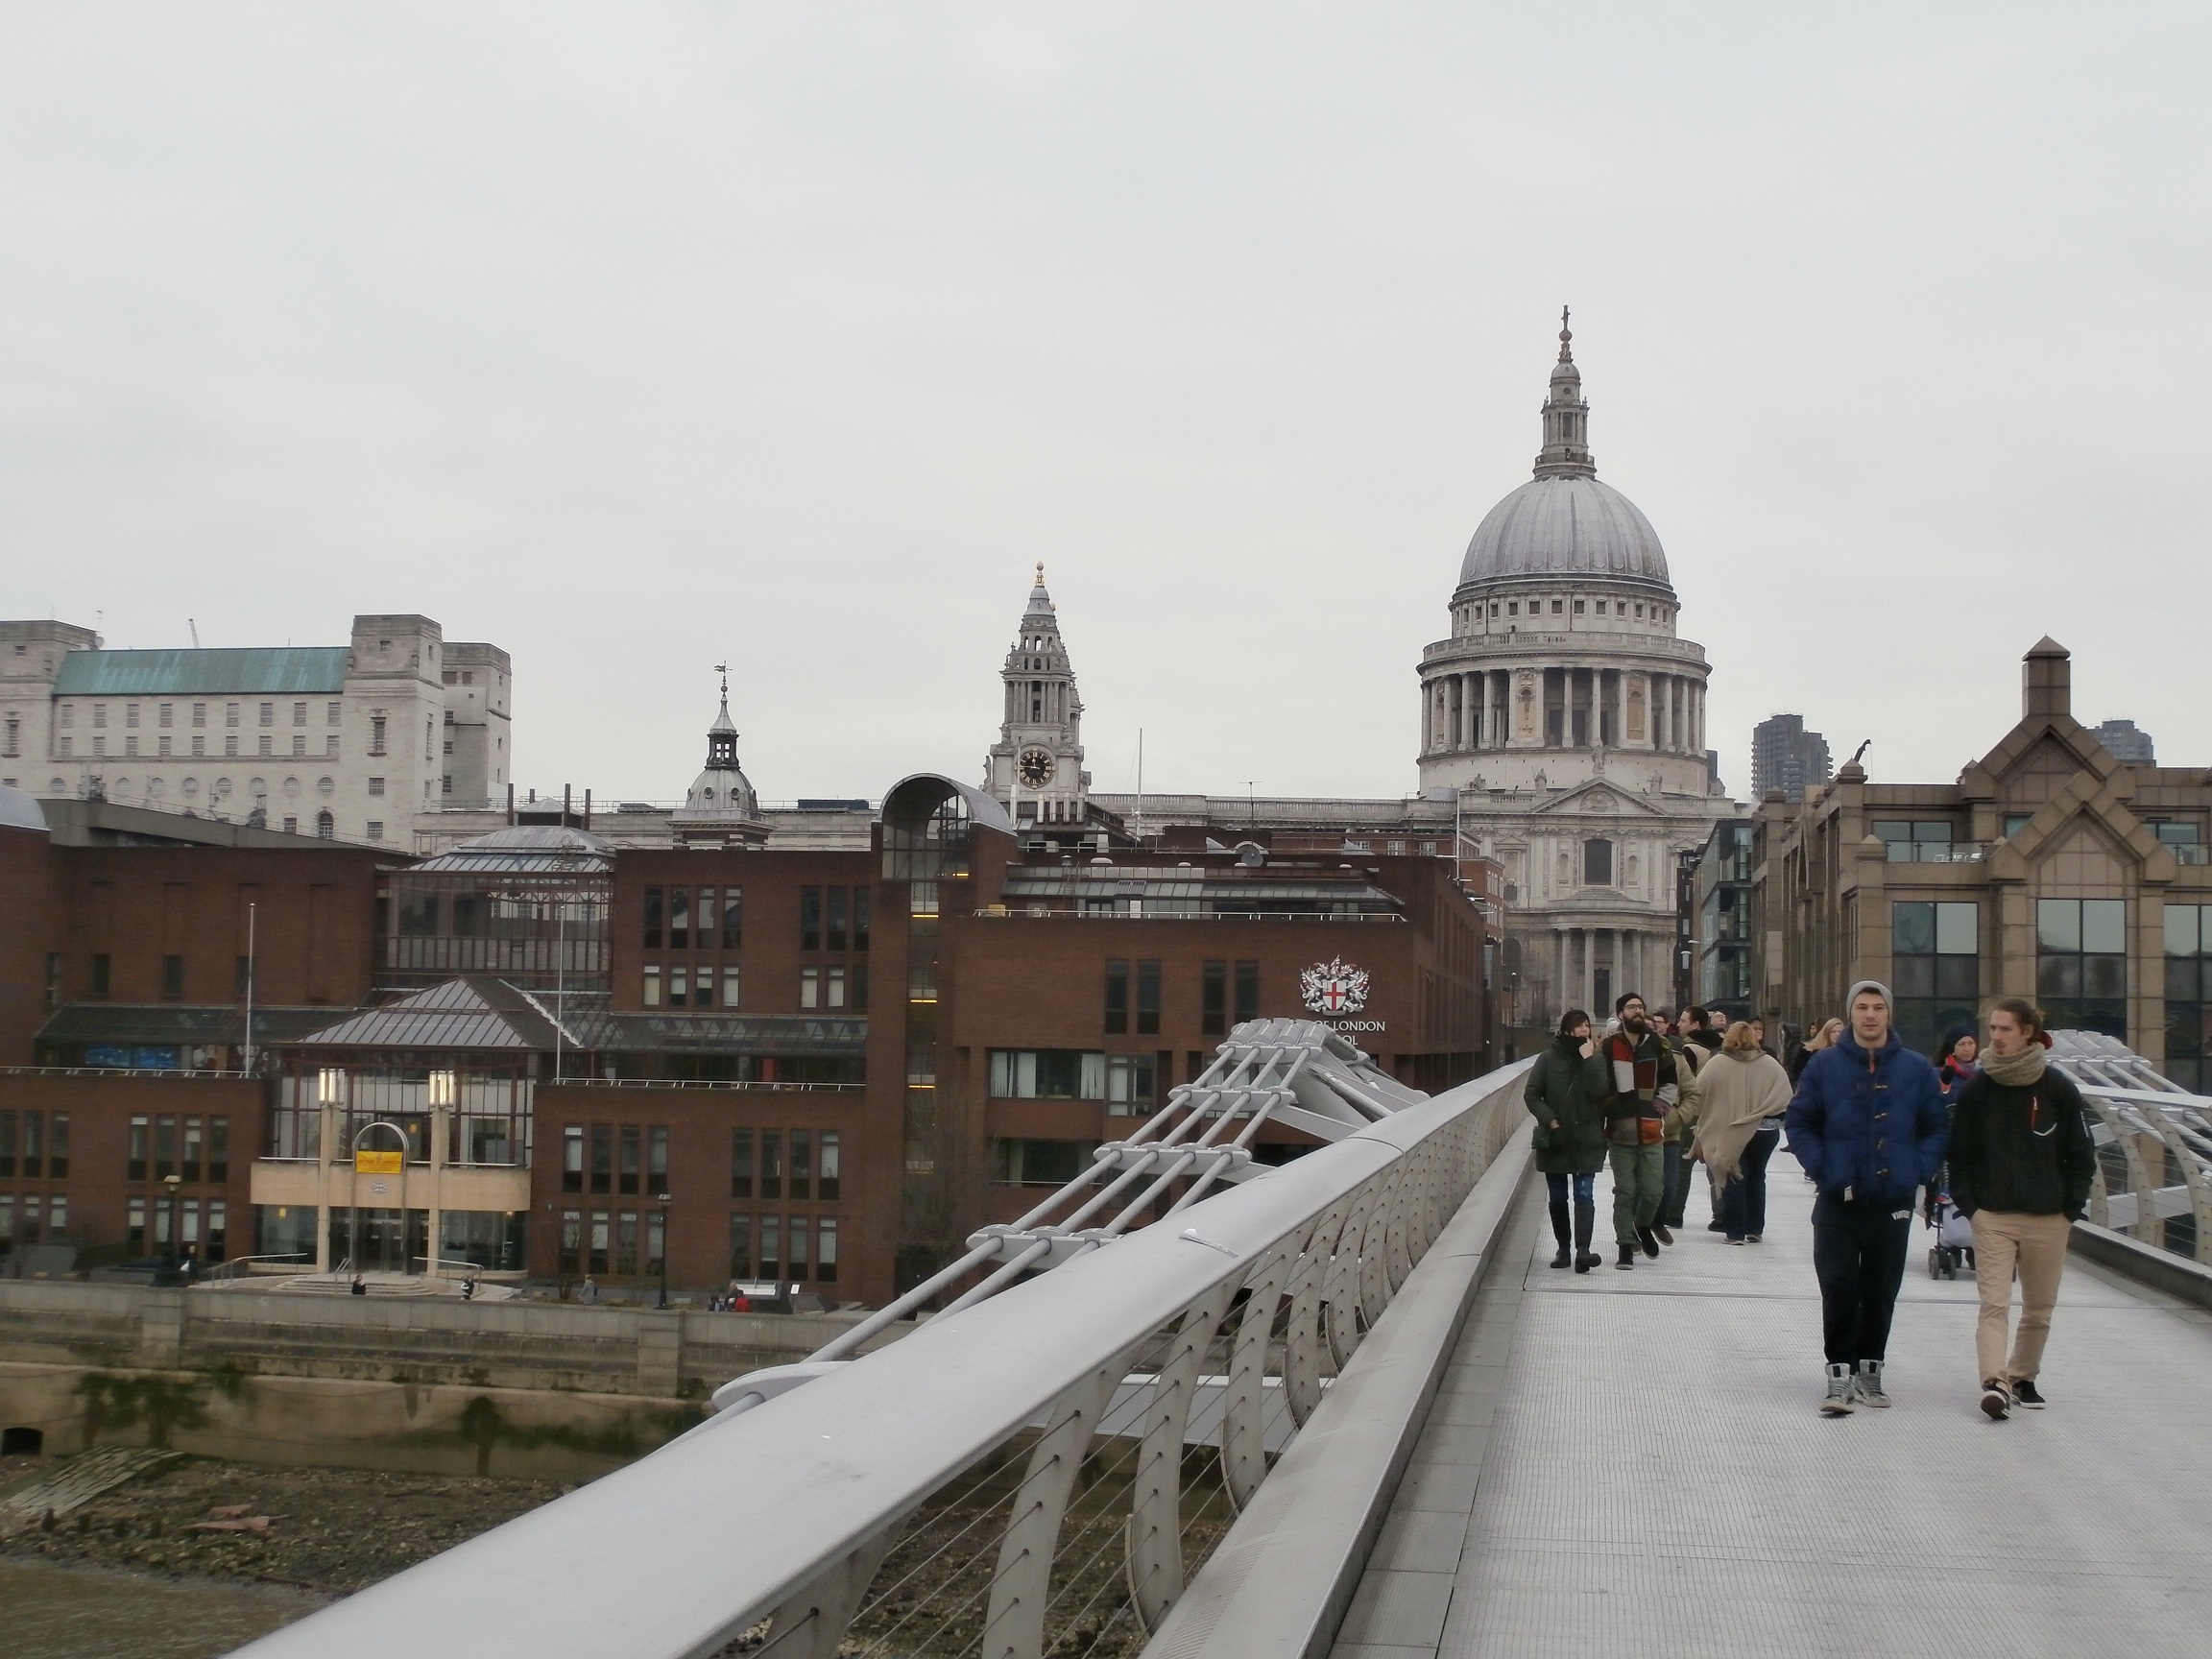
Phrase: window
[68,715]
[573,1158]
[650,993]
[58,1149]
[602,1158]
[8,1143]
[840,903]
[326,827]
[771,1163]
[11,740]
[218,1149]
[1116,998]
[1937,965]
[268,744]
[2015,822]
[740,1163]
[290,825]
[2189,995]
[703,934]
[194,1140]
[1917,840]
[1247,992]
[332,713]
[1513,608]
[601,1228]
[632,1159]
[2082,964]
[1214,1000]
[268,713]
[861,906]
[809,987]
[2185,841]
[173,976]
[732,982]
[100,715]
[199,713]
[134,1165]
[1147,997]
[772,1247]
[1557,606]
[298,713]
[375,733]
[828,1172]
[99,972]
[655,906]
[1598,863]
[1047,1075]
[826,1250]
[809,919]
[376,785]
[1130,1080]
[374,830]
[833,987]
[1578,607]
[1042,1163]
[801,1164]
[732,922]
[678,986]
[657,1158]
[741,1246]
[679,918]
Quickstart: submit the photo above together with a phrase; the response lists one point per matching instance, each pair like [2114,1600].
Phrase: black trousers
[1859,1252]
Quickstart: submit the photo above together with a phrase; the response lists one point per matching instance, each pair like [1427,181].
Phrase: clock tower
[1036,768]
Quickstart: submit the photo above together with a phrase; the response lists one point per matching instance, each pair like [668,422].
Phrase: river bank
[285,1542]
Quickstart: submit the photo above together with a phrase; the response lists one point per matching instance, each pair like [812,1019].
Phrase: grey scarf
[2015,1071]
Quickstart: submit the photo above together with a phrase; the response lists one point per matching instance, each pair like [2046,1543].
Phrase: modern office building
[1785,757]
[2125,740]
[2050,869]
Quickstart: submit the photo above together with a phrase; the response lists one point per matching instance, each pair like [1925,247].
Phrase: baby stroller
[1954,1247]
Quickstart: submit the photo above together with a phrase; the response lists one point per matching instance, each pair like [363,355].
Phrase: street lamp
[664,1201]
[173,1182]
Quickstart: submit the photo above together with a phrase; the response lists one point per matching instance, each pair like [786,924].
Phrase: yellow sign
[377,1163]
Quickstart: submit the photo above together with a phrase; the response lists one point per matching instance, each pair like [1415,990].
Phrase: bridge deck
[1633,1464]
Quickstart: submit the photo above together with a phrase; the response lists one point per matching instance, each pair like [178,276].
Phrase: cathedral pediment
[1597,796]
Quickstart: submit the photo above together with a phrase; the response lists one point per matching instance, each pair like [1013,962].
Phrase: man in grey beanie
[1868,1125]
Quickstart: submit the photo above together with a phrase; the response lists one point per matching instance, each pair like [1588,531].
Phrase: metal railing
[1033,1472]
[2154,1144]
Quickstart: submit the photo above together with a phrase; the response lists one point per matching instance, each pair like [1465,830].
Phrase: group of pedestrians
[1869,1121]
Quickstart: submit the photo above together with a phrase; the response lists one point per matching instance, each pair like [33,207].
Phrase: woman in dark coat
[1565,1095]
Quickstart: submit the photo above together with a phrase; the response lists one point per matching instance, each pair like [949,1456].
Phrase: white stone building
[1567,716]
[365,742]
[1036,768]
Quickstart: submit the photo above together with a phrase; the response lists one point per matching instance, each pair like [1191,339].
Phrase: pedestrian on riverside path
[1745,1092]
[1565,1095]
[2021,1163]
[1644,1086]
[1694,1043]
[1868,1125]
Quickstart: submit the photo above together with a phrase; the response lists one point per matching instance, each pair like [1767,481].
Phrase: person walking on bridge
[2021,1165]
[1643,1066]
[1745,1092]
[1565,1095]
[1868,1125]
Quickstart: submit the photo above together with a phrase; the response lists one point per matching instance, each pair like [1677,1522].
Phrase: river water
[86,1613]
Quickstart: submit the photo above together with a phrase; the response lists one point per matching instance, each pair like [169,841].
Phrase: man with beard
[1642,1066]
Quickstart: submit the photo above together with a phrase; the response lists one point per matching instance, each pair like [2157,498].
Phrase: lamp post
[664,1201]
[172,1182]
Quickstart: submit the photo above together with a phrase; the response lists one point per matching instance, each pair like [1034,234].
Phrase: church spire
[1036,768]
[1566,452]
[722,735]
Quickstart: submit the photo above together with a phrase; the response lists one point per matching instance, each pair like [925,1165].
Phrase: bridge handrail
[784,1512]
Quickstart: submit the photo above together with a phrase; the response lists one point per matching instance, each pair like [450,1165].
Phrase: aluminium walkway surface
[1633,1464]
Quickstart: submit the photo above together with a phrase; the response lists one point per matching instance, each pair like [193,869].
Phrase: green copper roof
[294,668]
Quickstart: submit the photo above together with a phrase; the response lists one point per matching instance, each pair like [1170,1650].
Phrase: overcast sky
[631,338]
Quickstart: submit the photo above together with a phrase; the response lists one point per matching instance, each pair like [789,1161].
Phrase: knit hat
[1874,985]
[1624,999]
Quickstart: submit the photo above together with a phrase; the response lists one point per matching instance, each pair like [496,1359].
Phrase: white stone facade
[360,742]
[1568,716]
[1036,768]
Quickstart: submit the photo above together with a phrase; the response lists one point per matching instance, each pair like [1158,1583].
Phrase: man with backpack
[2021,1165]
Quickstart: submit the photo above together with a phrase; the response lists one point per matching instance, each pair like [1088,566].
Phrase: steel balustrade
[1031,1471]
[2149,1127]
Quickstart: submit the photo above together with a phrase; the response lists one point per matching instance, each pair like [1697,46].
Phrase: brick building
[833,1064]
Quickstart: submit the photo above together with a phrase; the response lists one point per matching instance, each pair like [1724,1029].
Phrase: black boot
[1560,1231]
[1650,1240]
[1627,1258]
[1585,1258]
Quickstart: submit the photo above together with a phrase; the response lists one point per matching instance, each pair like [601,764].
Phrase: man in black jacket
[2021,1163]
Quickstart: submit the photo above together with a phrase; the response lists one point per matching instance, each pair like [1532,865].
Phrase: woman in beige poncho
[1745,1092]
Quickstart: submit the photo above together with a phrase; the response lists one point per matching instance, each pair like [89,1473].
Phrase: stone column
[1559,987]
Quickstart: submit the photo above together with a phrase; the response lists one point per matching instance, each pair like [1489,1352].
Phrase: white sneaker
[1842,1388]
[1867,1384]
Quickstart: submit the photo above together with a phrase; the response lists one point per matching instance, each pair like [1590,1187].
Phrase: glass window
[657,1159]
[771,1163]
[602,1158]
[679,918]
[705,930]
[1936,968]
[2189,995]
[1116,998]
[732,985]
[1214,1000]
[601,1228]
[830,1166]
[1147,997]
[633,1159]
[839,899]
[809,918]
[826,1250]
[573,1158]
[835,983]
[8,1146]
[772,1247]
[740,1163]
[678,986]
[809,987]
[801,1164]
[741,1246]
[861,909]
[218,1149]
[2082,964]
[656,900]
[626,1243]
[650,991]
[1047,1075]
[795,1243]
[1247,992]
[134,1167]
[1129,1085]
[732,922]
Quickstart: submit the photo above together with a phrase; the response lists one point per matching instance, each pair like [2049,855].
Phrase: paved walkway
[1630,1464]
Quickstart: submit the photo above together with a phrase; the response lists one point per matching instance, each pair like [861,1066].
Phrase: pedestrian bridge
[1346,1406]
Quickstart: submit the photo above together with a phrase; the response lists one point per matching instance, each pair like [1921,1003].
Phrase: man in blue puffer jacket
[1868,1125]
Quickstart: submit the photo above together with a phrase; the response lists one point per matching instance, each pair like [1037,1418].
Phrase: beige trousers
[2037,1244]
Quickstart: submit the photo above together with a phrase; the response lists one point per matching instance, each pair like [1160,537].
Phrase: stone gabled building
[2050,869]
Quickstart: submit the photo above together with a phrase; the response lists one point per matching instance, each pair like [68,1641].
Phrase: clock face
[1036,768]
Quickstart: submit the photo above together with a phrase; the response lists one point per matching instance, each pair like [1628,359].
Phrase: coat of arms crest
[1334,987]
